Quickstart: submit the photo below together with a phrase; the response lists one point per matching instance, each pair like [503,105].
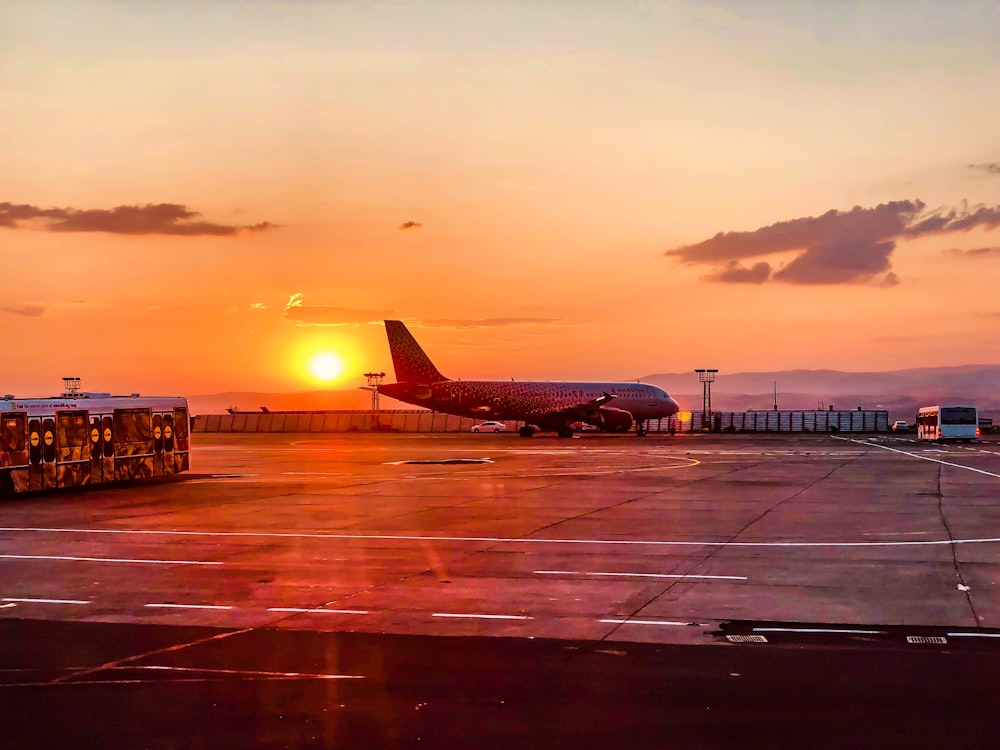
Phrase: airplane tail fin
[410,362]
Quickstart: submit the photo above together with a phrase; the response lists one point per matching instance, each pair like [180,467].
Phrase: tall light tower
[375,379]
[707,377]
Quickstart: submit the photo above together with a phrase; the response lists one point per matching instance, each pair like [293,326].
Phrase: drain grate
[746,639]
[926,639]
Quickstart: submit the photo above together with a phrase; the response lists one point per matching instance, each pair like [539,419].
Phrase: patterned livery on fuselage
[545,405]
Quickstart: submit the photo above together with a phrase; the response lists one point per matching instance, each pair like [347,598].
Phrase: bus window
[12,433]
[133,432]
[959,415]
[71,435]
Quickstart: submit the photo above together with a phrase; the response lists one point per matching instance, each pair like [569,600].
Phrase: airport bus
[947,423]
[78,439]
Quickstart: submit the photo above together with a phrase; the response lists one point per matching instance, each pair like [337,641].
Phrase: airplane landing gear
[526,431]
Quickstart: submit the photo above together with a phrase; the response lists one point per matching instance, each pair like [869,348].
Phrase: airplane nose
[673,404]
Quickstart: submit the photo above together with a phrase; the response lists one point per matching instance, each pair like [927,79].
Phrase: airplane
[547,406]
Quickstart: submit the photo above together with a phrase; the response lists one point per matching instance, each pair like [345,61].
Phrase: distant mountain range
[901,392]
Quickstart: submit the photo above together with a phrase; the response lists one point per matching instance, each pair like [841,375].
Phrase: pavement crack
[962,585]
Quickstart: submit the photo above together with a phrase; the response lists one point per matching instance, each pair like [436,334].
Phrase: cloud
[483,322]
[27,311]
[258,306]
[152,218]
[735,273]
[328,315]
[980,251]
[992,167]
[837,247]
[409,225]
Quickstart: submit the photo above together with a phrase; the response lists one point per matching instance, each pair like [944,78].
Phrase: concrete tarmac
[784,548]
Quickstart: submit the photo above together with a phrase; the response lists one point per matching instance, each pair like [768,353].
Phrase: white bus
[947,423]
[80,439]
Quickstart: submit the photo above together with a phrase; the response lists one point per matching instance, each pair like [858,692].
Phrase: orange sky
[552,157]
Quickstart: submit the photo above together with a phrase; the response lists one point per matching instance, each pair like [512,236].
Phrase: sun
[326,366]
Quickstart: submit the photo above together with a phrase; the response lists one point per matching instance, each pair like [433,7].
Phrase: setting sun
[326,366]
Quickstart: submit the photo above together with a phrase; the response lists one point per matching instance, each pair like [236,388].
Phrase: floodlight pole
[706,377]
[375,379]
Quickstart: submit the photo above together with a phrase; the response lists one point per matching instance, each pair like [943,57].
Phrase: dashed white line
[850,631]
[44,601]
[481,617]
[638,575]
[108,560]
[670,623]
[188,606]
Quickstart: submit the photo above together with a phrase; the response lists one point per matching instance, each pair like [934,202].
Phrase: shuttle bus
[947,423]
[80,439]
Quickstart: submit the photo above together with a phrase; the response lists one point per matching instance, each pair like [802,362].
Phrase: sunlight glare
[326,366]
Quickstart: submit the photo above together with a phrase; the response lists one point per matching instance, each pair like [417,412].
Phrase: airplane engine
[615,420]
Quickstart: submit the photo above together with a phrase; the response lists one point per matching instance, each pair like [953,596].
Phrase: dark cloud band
[152,218]
[837,247]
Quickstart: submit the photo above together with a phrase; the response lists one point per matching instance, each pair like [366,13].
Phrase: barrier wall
[425,421]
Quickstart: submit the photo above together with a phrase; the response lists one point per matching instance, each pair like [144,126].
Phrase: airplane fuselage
[535,401]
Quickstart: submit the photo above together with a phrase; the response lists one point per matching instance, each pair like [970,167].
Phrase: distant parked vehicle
[489,427]
[899,424]
[948,423]
[585,427]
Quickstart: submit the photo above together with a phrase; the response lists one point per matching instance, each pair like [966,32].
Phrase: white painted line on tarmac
[481,617]
[319,610]
[922,458]
[849,631]
[974,635]
[107,559]
[669,623]
[637,575]
[188,606]
[8,605]
[44,601]
[250,672]
[503,540]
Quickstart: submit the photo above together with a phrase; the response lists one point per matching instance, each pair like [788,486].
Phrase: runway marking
[974,635]
[8,606]
[249,672]
[849,631]
[188,606]
[922,458]
[637,575]
[481,617]
[44,601]
[502,540]
[669,623]
[319,610]
[107,559]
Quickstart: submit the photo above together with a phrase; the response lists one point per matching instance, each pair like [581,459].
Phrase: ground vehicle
[79,439]
[899,424]
[947,423]
[489,427]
